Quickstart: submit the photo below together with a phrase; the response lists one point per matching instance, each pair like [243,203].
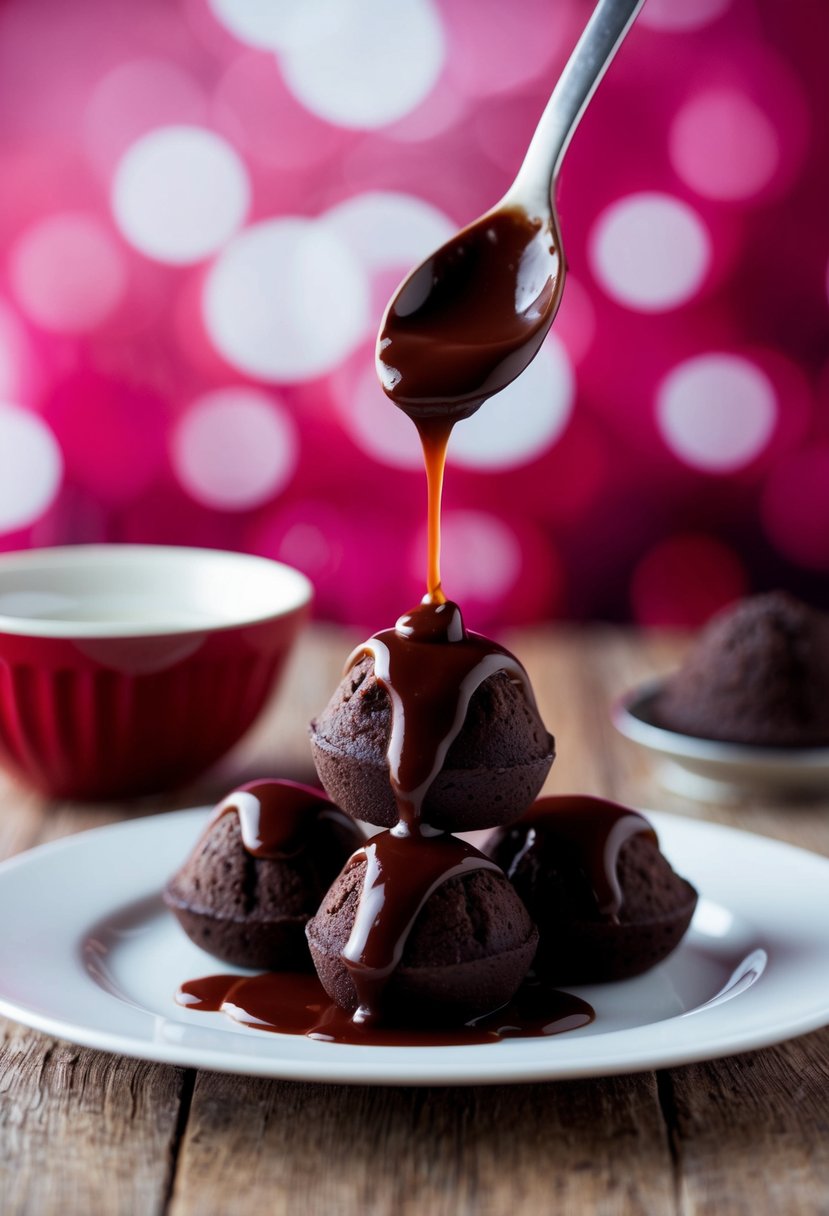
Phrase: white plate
[713,771]
[89,954]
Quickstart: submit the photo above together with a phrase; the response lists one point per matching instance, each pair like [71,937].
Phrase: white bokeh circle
[480,554]
[681,14]
[286,300]
[235,448]
[374,423]
[179,193]
[67,273]
[650,251]
[442,109]
[385,228]
[277,24]
[133,98]
[522,422]
[716,412]
[31,467]
[374,63]
[723,146]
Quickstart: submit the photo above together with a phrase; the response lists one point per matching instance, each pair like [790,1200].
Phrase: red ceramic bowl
[127,669]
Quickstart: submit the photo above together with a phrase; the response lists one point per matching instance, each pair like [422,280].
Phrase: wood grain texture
[569,1148]
[751,1134]
[82,1132]
[21,817]
[85,1132]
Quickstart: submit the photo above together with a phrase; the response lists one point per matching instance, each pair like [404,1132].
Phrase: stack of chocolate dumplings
[432,731]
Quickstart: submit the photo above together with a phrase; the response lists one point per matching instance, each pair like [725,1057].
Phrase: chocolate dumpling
[493,769]
[758,674]
[259,871]
[468,947]
[606,901]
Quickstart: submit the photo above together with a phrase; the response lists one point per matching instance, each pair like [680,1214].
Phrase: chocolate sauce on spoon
[462,327]
[471,317]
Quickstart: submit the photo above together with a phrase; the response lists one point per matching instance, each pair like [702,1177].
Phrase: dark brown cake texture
[252,910]
[466,953]
[758,674]
[606,901]
[493,769]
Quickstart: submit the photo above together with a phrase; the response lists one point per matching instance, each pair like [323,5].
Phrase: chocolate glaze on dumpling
[606,901]
[421,930]
[259,871]
[451,711]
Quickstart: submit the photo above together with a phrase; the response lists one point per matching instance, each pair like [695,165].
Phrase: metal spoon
[470,318]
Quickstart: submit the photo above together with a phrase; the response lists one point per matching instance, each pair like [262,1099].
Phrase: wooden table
[85,1132]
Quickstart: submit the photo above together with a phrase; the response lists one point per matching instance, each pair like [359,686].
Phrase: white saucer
[719,772]
[89,954]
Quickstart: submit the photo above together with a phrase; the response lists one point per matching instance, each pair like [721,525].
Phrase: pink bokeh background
[206,204]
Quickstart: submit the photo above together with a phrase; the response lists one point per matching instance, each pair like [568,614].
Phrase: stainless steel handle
[602,36]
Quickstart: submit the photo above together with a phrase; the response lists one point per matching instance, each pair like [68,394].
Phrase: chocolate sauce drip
[291,1003]
[402,871]
[594,828]
[430,667]
[434,439]
[465,324]
[470,319]
[277,817]
[209,993]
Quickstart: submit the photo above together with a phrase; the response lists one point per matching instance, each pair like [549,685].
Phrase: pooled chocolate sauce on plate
[292,1003]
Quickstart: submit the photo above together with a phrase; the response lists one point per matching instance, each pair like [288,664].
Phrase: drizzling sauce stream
[434,438]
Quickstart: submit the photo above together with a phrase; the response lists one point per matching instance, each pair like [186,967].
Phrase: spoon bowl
[467,321]
[470,318]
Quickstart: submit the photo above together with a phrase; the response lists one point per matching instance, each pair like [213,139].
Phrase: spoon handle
[602,36]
